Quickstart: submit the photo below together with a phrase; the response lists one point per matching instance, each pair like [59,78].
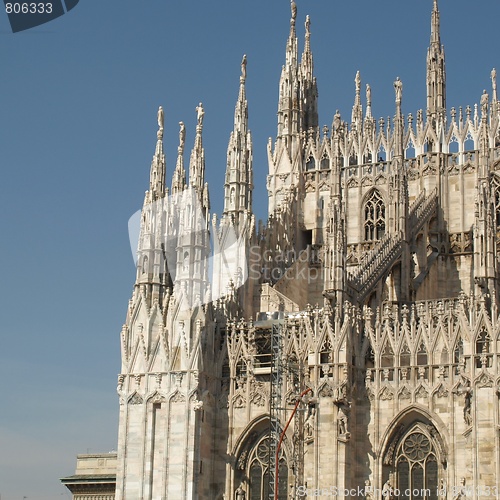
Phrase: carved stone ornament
[178,398]
[404,393]
[484,380]
[386,394]
[421,393]
[197,405]
[258,399]
[239,401]
[242,461]
[157,398]
[442,391]
[326,391]
[389,455]
[370,394]
[136,399]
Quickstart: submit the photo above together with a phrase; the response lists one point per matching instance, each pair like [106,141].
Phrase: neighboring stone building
[374,284]
[94,478]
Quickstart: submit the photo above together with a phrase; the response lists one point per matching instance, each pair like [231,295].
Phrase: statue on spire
[357,81]
[494,80]
[398,88]
[160,121]
[201,112]
[182,137]
[293,6]
[484,103]
[244,68]
[308,25]
[368,95]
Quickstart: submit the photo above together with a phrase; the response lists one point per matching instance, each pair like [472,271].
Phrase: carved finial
[200,112]
[182,137]
[243,69]
[308,26]
[160,122]
[368,95]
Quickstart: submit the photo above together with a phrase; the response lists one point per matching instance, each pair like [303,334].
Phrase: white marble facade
[379,263]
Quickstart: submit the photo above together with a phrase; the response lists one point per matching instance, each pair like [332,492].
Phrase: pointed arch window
[483,342]
[405,355]
[387,359]
[374,217]
[458,353]
[325,162]
[258,472]
[422,355]
[310,163]
[417,466]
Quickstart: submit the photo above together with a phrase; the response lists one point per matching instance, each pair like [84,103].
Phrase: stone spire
[357,109]
[288,107]
[398,119]
[309,87]
[157,173]
[368,101]
[436,73]
[150,266]
[494,98]
[179,177]
[197,160]
[238,186]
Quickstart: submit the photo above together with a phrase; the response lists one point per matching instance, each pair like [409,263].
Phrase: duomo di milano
[369,300]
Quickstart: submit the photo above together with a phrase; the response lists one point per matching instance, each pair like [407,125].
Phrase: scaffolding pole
[276,405]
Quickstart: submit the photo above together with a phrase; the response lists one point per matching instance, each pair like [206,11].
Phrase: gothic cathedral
[352,341]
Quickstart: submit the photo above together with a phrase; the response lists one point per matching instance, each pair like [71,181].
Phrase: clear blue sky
[78,101]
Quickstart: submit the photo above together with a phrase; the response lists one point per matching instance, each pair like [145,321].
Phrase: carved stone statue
[461,494]
[182,136]
[357,81]
[388,488]
[240,494]
[336,120]
[342,419]
[368,94]
[201,112]
[160,118]
[343,415]
[309,423]
[494,79]
[368,490]
[484,102]
[398,87]
[244,67]
[467,407]
[293,6]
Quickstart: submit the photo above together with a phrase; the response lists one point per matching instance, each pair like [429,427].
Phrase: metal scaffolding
[276,405]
